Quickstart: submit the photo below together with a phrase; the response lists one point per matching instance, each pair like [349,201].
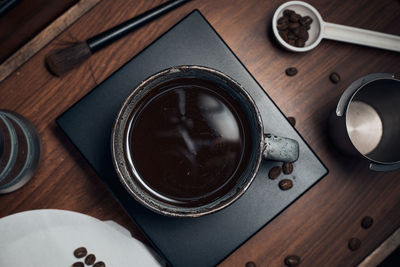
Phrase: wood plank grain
[384,250]
[44,37]
[26,19]
[317,226]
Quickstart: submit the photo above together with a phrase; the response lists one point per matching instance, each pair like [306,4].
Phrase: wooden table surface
[318,225]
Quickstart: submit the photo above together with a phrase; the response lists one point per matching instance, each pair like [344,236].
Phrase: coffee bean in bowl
[293,28]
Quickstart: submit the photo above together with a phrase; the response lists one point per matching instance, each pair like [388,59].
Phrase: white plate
[49,238]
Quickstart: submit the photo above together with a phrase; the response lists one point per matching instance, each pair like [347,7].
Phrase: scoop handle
[360,36]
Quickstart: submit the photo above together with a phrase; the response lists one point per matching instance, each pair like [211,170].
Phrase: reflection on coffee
[187,142]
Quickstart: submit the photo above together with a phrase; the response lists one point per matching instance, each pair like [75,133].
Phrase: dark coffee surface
[187,143]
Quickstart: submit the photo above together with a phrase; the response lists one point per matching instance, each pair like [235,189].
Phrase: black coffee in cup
[187,143]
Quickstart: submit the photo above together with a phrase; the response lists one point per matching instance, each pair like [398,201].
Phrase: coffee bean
[294,17]
[80,252]
[285,184]
[367,222]
[354,244]
[291,71]
[300,43]
[296,31]
[288,12]
[78,264]
[301,32]
[287,168]
[282,26]
[274,172]
[283,20]
[306,36]
[292,121]
[292,260]
[99,264]
[293,25]
[334,77]
[90,259]
[284,36]
[250,264]
[291,36]
[306,21]
[292,42]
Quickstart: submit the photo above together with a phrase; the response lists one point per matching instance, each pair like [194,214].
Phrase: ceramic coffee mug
[188,141]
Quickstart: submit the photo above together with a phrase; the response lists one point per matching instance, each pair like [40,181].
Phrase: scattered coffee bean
[292,120]
[78,264]
[287,168]
[295,26]
[292,260]
[274,172]
[334,77]
[354,244]
[291,71]
[80,252]
[367,222]
[99,264]
[250,264]
[285,184]
[90,259]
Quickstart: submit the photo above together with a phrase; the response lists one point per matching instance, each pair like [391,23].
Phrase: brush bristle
[61,61]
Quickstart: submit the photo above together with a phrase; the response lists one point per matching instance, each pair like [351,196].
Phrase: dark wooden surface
[319,224]
[26,19]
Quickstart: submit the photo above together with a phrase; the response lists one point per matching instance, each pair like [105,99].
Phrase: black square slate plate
[207,240]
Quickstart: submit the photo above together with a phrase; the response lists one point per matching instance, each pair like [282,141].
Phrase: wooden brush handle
[105,38]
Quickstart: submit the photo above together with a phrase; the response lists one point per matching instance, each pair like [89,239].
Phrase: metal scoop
[321,29]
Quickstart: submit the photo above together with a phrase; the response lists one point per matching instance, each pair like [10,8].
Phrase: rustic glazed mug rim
[119,136]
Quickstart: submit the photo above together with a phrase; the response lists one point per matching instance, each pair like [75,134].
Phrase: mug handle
[383,167]
[280,148]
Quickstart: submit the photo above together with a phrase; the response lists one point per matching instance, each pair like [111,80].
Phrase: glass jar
[19,151]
